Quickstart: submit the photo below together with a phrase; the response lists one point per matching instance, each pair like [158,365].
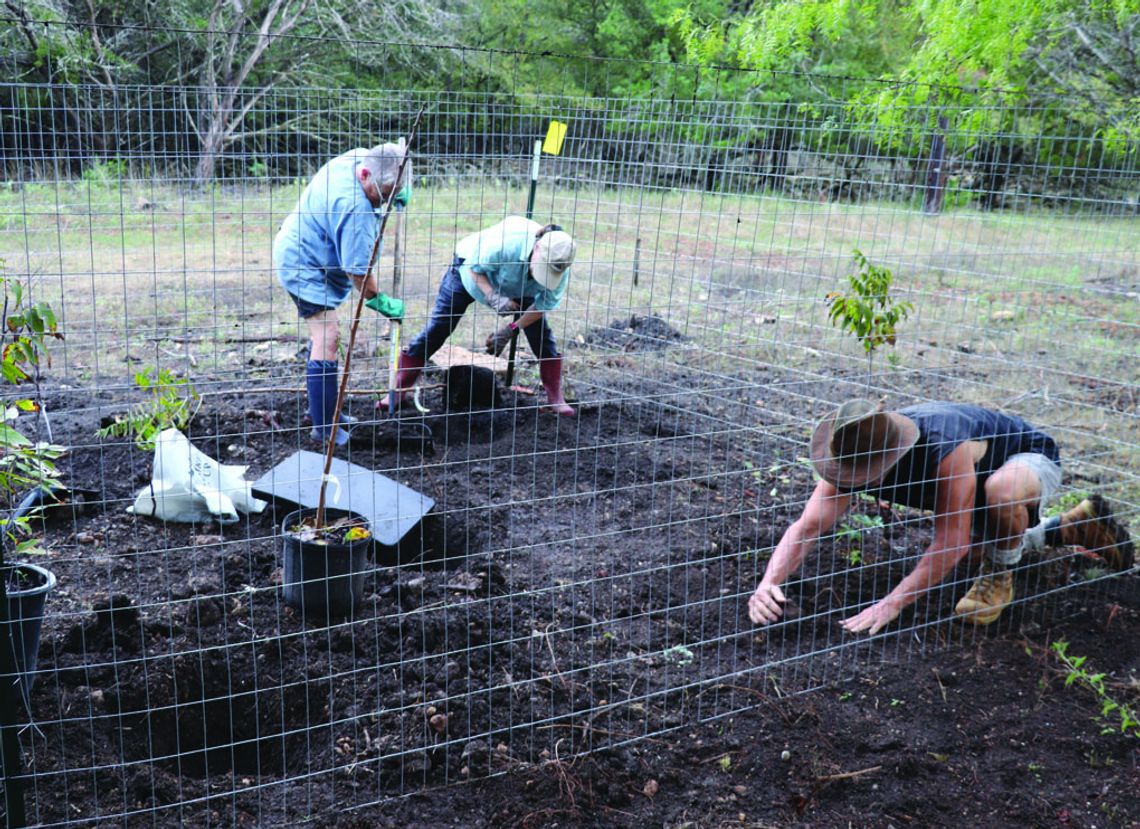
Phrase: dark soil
[638,333]
[582,588]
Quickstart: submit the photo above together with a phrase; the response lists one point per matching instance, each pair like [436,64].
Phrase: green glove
[390,307]
[403,196]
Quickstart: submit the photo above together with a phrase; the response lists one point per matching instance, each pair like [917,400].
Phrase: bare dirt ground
[584,591]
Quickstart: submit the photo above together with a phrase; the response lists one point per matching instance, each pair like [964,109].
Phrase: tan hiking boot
[1090,524]
[987,598]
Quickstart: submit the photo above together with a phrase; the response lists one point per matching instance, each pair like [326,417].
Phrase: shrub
[171,402]
[24,465]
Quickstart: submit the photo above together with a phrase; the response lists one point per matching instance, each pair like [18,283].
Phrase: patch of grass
[741,276]
[106,173]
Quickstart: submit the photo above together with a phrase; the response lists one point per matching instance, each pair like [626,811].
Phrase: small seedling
[1095,572]
[1096,762]
[1115,717]
[680,655]
[171,402]
[1064,503]
[855,524]
[725,764]
[851,531]
[869,312]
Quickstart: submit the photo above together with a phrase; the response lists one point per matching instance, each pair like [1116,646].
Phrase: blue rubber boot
[321,380]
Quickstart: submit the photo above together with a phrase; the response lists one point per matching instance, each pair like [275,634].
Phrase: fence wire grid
[578,582]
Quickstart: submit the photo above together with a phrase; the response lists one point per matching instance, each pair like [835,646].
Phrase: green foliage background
[997,70]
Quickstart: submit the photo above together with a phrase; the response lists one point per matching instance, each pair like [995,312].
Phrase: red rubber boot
[408,370]
[550,370]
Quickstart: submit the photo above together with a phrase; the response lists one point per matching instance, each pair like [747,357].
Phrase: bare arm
[365,284]
[953,513]
[823,510]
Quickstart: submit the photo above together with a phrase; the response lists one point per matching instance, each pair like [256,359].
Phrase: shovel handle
[393,359]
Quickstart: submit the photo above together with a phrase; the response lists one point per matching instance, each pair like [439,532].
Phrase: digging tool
[423,434]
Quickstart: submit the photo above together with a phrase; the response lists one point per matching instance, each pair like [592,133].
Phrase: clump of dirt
[638,333]
[470,388]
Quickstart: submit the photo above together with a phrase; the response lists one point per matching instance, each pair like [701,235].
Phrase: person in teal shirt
[514,267]
[324,248]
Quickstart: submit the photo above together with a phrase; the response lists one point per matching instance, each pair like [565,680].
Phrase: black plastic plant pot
[323,578]
[27,587]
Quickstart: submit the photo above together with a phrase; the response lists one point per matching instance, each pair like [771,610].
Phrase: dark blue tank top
[942,427]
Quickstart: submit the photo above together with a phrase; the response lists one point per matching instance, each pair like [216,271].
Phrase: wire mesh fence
[547,585]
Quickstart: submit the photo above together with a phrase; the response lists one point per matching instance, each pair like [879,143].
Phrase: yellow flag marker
[554,135]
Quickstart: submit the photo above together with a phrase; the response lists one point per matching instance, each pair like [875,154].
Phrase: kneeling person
[984,474]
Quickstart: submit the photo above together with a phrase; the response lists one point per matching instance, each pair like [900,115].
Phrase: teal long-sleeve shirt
[502,254]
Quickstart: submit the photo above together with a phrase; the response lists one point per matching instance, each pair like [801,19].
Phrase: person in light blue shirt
[324,248]
[514,267]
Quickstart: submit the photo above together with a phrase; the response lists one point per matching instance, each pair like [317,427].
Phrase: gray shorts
[1047,470]
[1048,474]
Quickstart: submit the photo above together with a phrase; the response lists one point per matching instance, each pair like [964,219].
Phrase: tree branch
[99,50]
[1085,39]
[24,22]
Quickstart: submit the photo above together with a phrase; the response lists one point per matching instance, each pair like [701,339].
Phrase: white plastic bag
[188,485]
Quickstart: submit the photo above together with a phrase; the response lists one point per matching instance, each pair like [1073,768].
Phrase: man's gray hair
[383,162]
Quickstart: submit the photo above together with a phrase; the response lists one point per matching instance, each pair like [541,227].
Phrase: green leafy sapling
[869,312]
[25,465]
[851,530]
[170,402]
[1115,716]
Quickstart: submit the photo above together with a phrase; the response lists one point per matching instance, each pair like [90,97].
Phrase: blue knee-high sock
[321,381]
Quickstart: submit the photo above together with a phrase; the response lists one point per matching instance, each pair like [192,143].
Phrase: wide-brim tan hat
[553,254]
[860,443]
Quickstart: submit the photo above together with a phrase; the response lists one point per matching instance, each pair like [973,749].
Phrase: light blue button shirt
[328,236]
[502,254]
